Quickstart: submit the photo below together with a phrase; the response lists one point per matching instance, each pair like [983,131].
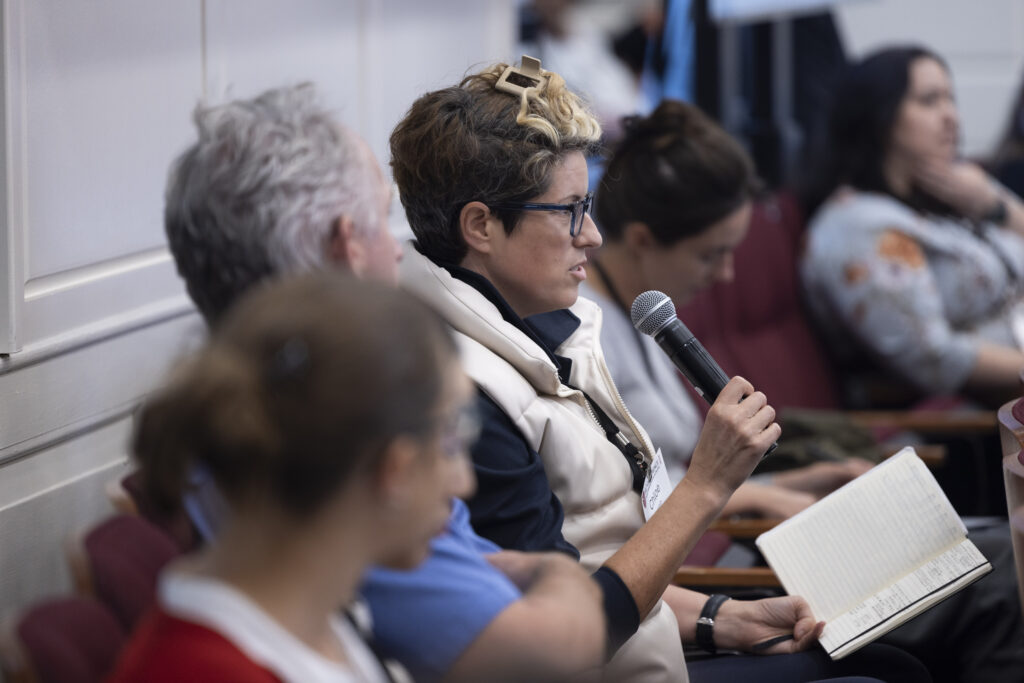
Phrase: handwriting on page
[905,593]
[864,536]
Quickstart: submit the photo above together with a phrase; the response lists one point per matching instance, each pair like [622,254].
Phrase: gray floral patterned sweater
[916,292]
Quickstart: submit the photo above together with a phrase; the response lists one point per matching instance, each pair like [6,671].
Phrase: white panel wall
[983,41]
[96,102]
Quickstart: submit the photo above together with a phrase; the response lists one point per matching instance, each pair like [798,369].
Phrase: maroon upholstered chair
[118,561]
[64,640]
[709,549]
[756,326]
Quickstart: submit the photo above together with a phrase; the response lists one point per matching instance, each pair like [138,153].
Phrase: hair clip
[291,361]
[528,75]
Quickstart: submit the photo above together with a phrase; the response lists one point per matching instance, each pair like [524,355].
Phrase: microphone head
[651,311]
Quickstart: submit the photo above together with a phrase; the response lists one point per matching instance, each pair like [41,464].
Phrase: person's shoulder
[167,649]
[591,303]
[852,222]
[853,208]
[456,561]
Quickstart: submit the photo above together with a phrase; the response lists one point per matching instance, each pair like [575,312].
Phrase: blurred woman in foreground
[337,444]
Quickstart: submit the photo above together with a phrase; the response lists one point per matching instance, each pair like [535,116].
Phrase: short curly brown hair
[472,142]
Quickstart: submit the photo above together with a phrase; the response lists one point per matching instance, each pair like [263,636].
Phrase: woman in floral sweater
[914,258]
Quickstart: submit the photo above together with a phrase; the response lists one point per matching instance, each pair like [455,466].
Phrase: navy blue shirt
[514,505]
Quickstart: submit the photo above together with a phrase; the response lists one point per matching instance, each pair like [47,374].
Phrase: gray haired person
[275,185]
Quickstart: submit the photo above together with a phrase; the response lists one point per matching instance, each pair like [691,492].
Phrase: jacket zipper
[623,442]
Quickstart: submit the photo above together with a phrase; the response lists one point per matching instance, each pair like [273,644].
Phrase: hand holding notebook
[874,553]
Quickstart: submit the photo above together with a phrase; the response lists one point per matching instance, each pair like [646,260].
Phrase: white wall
[983,41]
[95,104]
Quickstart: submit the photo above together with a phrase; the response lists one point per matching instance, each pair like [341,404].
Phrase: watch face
[997,214]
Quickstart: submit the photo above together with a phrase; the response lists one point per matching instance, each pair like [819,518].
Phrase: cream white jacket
[590,476]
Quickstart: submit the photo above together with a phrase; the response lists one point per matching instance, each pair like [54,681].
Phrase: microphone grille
[651,311]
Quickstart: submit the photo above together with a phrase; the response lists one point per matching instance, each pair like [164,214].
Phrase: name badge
[657,486]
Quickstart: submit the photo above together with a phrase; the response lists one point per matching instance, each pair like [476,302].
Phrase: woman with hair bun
[673,206]
[337,445]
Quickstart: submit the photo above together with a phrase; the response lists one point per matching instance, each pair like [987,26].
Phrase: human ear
[638,237]
[397,476]
[344,246]
[477,225]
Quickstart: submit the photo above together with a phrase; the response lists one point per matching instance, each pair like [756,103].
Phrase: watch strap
[997,214]
[706,622]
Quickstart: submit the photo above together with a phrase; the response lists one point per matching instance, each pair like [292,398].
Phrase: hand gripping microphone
[654,314]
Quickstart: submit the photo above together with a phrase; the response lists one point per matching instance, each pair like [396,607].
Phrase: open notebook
[874,553]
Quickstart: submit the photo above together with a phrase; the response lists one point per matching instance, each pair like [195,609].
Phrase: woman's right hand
[963,185]
[738,430]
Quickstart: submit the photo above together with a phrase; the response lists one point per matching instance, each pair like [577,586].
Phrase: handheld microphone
[654,314]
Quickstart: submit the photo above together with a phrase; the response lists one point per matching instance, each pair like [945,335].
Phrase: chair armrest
[758,577]
[945,422]
[743,527]
[933,455]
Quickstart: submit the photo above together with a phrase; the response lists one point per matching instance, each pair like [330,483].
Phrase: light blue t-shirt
[426,618]
[423,618]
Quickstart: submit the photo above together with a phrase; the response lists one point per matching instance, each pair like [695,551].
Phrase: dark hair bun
[675,171]
[212,412]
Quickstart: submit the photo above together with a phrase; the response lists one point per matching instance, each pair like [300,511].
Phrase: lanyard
[637,464]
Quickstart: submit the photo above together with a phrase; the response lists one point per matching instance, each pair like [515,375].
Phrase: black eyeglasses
[575,209]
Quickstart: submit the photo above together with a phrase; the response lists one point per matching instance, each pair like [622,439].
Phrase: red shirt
[165,649]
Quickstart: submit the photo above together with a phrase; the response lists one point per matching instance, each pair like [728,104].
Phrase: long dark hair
[851,147]
[1011,144]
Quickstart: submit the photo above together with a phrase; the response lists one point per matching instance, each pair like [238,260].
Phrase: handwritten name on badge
[657,486]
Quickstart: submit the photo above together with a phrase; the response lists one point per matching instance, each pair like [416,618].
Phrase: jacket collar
[473,306]
[548,330]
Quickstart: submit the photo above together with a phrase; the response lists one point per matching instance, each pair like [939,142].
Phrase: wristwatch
[706,622]
[997,214]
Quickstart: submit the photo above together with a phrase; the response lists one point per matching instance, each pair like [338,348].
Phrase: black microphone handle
[693,360]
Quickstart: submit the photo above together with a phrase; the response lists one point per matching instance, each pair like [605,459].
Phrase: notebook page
[941,576]
[864,536]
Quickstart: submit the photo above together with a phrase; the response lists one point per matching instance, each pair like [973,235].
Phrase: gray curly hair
[260,192]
